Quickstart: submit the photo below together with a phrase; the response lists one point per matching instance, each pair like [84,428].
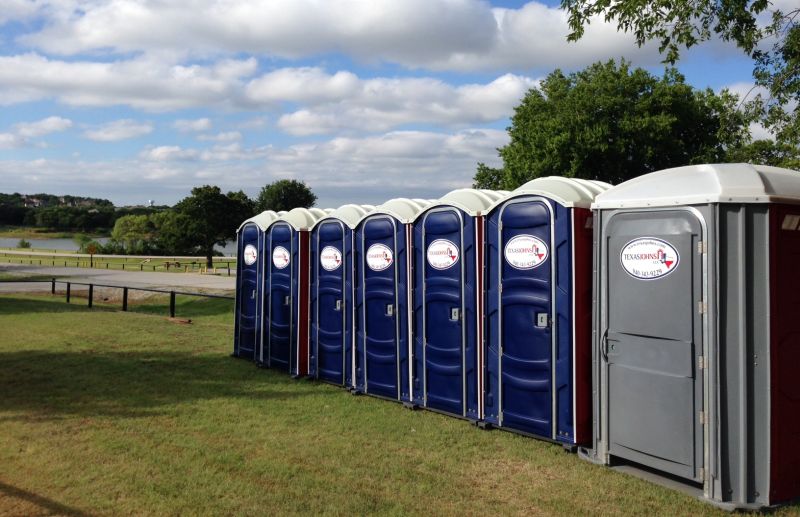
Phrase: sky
[137,100]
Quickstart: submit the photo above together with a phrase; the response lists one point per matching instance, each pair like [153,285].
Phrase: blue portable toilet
[332,294]
[538,290]
[447,316]
[249,271]
[383,262]
[286,261]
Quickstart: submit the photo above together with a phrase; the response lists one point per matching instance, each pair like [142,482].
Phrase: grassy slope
[127,413]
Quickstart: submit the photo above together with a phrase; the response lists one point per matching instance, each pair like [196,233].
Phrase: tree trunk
[209,258]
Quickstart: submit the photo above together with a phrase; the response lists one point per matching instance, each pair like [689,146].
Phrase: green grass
[115,413]
[28,232]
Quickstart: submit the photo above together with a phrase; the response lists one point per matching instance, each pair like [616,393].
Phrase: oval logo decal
[280,257]
[442,254]
[379,257]
[330,258]
[648,258]
[525,252]
[250,254]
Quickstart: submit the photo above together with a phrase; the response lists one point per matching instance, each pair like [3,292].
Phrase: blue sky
[133,100]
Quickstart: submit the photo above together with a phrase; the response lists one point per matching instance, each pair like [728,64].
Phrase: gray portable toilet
[249,284]
[696,355]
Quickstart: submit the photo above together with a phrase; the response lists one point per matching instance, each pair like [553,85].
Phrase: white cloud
[42,127]
[167,153]
[11,141]
[228,136]
[119,130]
[186,126]
[381,104]
[150,82]
[435,34]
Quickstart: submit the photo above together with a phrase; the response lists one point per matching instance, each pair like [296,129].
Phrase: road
[180,281]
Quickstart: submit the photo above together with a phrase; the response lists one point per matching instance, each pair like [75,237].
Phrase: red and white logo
[330,259]
[525,252]
[250,254]
[648,258]
[280,257]
[379,257]
[442,254]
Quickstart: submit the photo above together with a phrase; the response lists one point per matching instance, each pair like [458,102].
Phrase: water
[70,245]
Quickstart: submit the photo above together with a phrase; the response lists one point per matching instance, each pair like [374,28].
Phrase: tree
[769,36]
[211,218]
[767,152]
[285,195]
[133,233]
[612,123]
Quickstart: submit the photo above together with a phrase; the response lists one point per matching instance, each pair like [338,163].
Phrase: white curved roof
[569,192]
[349,214]
[710,183]
[403,209]
[472,201]
[261,220]
[303,218]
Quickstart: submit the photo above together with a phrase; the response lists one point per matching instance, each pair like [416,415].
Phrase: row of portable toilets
[654,325]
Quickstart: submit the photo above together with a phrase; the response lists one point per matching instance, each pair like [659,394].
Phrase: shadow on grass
[53,385]
[52,507]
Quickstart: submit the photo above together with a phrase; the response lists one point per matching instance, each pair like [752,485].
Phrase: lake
[69,244]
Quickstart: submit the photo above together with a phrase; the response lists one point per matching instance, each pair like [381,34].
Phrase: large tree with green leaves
[210,218]
[611,122]
[285,195]
[770,36]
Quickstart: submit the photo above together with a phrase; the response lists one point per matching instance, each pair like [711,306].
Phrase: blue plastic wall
[381,355]
[522,388]
[248,295]
[445,372]
[283,326]
[331,326]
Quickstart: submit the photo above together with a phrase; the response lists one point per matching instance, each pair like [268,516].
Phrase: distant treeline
[64,213]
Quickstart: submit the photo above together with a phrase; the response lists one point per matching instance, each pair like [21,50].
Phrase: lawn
[105,412]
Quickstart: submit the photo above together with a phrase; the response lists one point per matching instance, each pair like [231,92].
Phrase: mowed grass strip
[111,413]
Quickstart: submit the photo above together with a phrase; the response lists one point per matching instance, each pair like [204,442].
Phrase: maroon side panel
[582,290]
[304,292]
[785,353]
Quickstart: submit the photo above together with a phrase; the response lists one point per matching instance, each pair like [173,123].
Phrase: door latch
[253,295]
[390,310]
[338,305]
[542,320]
[455,314]
[286,300]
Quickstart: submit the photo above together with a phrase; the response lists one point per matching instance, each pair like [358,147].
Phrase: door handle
[286,300]
[253,295]
[542,320]
[455,314]
[604,346]
[390,309]
[338,305]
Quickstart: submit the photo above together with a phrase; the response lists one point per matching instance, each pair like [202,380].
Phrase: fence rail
[91,285]
[224,267]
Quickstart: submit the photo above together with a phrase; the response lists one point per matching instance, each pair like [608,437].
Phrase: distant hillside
[49,200]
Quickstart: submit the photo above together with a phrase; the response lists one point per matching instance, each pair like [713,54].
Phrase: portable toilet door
[285,345]
[332,294]
[448,254]
[383,241]
[696,348]
[538,309]
[247,328]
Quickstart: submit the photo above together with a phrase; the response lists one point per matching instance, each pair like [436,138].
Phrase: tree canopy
[613,123]
[211,217]
[285,195]
[768,35]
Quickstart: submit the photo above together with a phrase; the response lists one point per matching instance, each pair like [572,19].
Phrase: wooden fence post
[68,291]
[91,294]
[172,304]
[124,298]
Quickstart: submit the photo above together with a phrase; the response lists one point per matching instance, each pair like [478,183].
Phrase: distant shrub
[23,244]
